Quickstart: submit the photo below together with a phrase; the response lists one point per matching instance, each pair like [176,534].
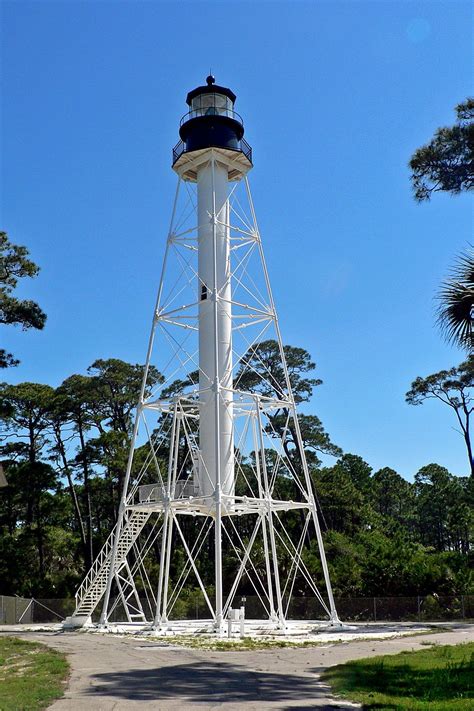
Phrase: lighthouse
[214,155]
[217,464]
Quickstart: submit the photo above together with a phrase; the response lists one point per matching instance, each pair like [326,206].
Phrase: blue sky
[335,98]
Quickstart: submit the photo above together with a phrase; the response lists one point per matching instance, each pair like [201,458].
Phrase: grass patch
[227,645]
[236,644]
[437,679]
[31,675]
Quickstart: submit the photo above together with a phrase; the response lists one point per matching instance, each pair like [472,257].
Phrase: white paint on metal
[207,427]
[215,331]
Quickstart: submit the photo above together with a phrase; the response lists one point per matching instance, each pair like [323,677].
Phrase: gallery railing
[243,147]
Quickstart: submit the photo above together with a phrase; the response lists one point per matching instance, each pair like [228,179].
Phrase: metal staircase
[94,584]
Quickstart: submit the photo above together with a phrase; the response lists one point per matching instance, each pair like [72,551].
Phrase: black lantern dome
[211,122]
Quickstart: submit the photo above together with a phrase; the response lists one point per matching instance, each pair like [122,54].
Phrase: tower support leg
[276,573]
[159,596]
[166,578]
[256,446]
[219,623]
[332,606]
[167,535]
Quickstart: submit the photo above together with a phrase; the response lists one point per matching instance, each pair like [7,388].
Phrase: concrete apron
[121,672]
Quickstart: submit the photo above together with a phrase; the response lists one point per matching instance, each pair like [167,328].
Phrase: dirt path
[121,673]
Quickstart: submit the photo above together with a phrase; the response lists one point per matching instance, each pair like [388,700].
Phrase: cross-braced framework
[180,524]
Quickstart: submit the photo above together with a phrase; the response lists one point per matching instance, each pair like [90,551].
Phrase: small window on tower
[203,292]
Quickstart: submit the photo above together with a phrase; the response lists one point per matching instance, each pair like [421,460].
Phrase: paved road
[122,673]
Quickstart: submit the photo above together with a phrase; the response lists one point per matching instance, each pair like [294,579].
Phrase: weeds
[31,675]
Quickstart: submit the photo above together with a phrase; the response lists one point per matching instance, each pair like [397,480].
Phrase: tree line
[64,449]
[64,452]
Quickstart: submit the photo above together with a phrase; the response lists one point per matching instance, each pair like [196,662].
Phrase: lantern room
[211,122]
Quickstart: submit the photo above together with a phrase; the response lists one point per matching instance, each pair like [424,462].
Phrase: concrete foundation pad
[76,621]
[296,632]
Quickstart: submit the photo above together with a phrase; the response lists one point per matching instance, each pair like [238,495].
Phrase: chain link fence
[20,610]
[429,608]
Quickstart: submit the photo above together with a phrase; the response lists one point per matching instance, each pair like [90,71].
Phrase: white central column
[216,441]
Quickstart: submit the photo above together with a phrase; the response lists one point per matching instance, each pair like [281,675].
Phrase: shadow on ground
[208,682]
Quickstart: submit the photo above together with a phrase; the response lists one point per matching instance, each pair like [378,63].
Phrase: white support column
[164,547]
[276,572]
[216,440]
[261,494]
[215,330]
[169,539]
[171,486]
[157,621]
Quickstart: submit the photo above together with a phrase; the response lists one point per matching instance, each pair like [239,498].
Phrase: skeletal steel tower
[217,460]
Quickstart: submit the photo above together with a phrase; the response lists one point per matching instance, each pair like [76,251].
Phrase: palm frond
[456,303]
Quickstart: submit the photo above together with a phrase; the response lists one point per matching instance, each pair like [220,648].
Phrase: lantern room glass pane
[211,104]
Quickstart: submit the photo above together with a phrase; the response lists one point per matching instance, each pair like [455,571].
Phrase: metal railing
[95,577]
[151,492]
[102,558]
[211,111]
[244,148]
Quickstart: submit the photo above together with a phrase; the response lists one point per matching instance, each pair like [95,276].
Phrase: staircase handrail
[95,568]
[102,558]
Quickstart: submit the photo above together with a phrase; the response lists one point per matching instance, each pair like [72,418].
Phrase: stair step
[97,582]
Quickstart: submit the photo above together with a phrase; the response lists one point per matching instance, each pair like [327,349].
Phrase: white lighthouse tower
[217,495]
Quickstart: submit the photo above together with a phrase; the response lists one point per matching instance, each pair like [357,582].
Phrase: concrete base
[294,630]
[209,628]
[75,621]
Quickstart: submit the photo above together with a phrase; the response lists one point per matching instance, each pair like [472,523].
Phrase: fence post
[418,599]
[15,609]
[375,609]
[462,607]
